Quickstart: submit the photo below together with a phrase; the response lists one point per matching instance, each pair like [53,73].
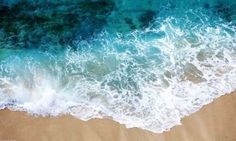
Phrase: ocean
[145,64]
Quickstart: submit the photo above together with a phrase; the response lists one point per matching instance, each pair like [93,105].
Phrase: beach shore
[214,122]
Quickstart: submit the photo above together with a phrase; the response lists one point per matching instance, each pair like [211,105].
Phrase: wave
[148,78]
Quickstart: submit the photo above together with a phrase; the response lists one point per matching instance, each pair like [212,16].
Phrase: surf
[142,72]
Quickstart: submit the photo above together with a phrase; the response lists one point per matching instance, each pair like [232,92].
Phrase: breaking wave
[148,78]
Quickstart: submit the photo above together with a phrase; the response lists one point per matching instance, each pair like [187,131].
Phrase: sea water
[144,64]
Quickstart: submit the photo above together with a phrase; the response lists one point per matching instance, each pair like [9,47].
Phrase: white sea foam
[148,79]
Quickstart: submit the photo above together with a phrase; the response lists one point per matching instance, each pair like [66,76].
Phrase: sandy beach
[134,63]
[214,122]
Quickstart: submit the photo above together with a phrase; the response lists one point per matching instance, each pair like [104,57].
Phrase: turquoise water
[144,64]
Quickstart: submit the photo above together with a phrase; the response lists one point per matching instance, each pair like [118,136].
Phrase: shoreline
[213,122]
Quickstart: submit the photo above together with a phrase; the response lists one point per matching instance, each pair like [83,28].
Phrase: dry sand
[214,122]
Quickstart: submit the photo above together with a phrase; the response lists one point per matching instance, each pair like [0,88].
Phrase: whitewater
[146,74]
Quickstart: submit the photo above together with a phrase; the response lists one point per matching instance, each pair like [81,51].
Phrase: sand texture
[214,122]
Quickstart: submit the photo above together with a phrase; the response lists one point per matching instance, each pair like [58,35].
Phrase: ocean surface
[144,63]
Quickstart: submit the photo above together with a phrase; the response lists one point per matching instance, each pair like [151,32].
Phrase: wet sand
[214,122]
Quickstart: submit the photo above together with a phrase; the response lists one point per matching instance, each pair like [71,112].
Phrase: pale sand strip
[214,122]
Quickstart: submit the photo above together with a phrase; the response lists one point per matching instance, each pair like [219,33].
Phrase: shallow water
[144,64]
